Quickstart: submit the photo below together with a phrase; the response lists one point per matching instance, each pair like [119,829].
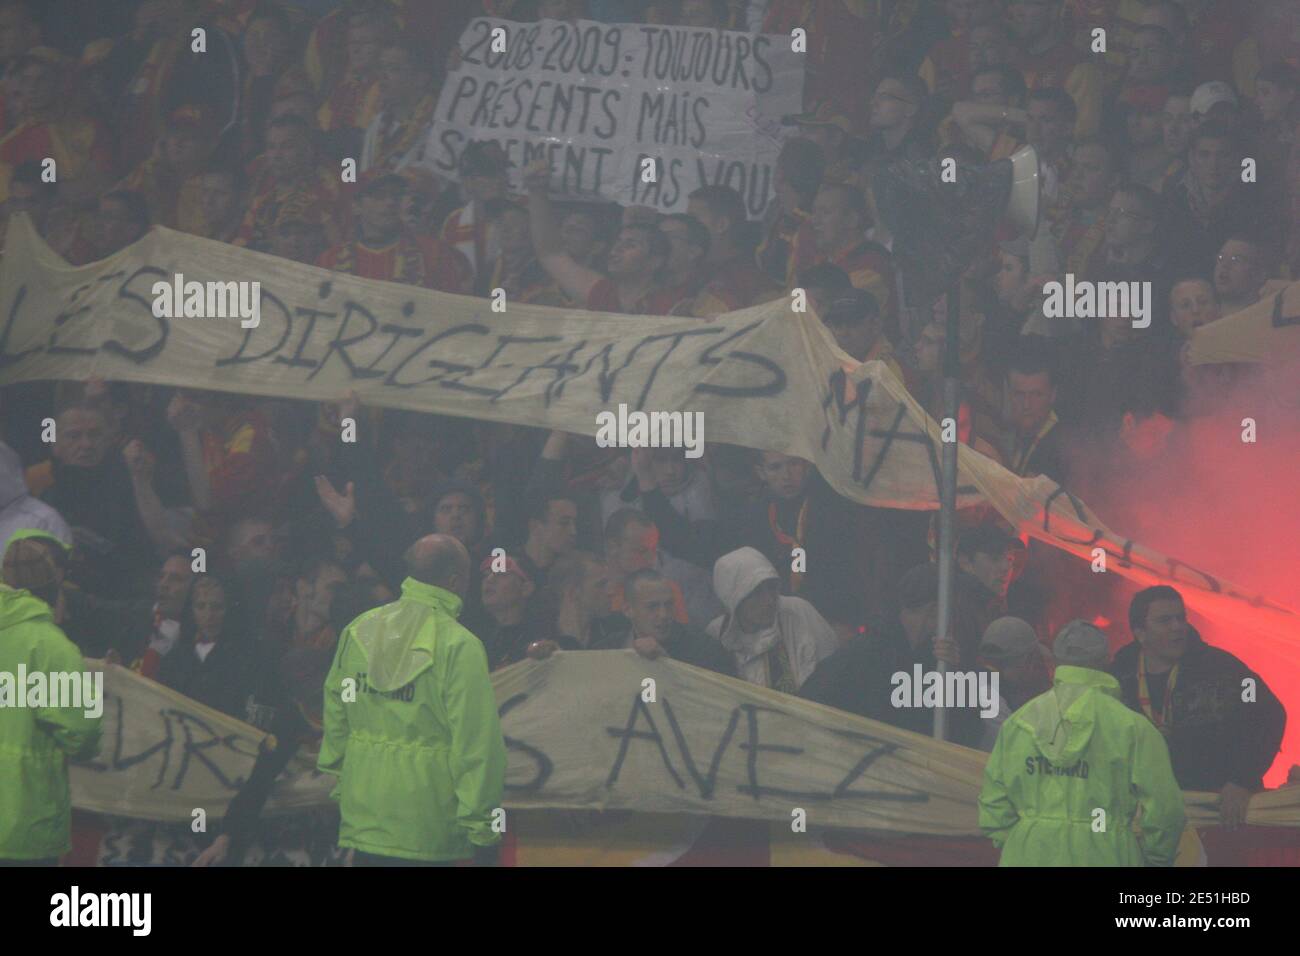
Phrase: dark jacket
[684,644]
[700,541]
[114,551]
[1216,738]
[222,681]
[606,633]
[855,554]
[975,607]
[1047,457]
[1196,240]
[1104,383]
[508,644]
[859,678]
[285,700]
[97,625]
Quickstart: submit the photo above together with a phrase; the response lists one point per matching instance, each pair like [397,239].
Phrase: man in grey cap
[1010,647]
[1079,644]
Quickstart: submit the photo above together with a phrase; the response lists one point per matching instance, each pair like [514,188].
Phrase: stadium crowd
[1142,150]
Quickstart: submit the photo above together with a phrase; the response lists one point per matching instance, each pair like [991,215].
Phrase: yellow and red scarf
[396,139]
[795,541]
[1165,718]
[408,260]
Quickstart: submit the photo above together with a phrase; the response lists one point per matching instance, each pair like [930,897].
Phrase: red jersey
[466,229]
[351,104]
[77,145]
[1065,68]
[240,463]
[868,265]
[316,199]
[409,259]
[603,297]
[739,282]
[841,47]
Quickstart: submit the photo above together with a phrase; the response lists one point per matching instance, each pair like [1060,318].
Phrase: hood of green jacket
[399,638]
[22,533]
[19,607]
[1063,728]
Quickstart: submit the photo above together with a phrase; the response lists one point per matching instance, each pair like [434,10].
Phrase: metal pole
[948,485]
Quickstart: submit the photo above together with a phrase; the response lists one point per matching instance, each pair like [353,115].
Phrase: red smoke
[1228,507]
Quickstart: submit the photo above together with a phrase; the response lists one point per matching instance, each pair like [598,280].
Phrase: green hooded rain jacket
[411,731]
[36,742]
[1068,753]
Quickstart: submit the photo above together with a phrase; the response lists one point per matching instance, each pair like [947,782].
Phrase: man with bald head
[440,560]
[410,723]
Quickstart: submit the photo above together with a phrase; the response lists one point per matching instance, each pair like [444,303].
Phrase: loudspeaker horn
[1025,204]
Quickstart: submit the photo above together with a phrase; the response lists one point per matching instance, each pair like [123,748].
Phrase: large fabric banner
[163,756]
[598,99]
[599,731]
[764,377]
[1268,333]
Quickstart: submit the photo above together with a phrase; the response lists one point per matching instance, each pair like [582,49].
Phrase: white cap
[1210,94]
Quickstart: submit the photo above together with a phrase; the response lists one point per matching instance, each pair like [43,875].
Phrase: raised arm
[184,416]
[979,122]
[153,514]
[576,280]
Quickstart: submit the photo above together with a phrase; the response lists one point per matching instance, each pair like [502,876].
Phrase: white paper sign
[599,98]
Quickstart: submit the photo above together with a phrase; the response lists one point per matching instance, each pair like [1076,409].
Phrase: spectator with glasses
[1240,271]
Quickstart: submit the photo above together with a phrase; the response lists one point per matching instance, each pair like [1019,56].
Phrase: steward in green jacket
[410,722]
[37,737]
[1069,774]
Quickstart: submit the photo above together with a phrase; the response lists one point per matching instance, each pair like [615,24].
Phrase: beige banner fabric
[764,377]
[1266,333]
[611,730]
[599,730]
[163,756]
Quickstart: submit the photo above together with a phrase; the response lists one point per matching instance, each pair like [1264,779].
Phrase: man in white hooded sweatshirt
[776,640]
